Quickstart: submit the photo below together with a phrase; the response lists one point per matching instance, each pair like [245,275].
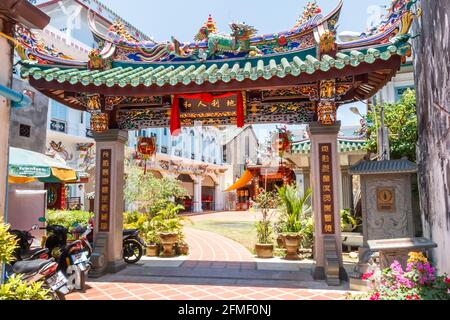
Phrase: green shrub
[8,243]
[295,211]
[67,218]
[16,289]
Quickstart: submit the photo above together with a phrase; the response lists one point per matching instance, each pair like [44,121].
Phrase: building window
[224,154]
[399,91]
[58,111]
[81,117]
[24,130]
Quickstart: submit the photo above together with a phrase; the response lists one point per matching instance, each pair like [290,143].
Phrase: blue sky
[182,19]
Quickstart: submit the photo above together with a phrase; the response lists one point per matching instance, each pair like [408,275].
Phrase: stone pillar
[347,189]
[5,111]
[300,181]
[325,175]
[198,194]
[109,201]
[218,203]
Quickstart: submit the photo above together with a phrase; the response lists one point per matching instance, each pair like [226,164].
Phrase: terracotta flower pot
[152,250]
[281,241]
[264,251]
[292,246]
[183,249]
[168,240]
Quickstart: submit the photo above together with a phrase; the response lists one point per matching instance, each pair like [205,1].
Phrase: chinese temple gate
[299,76]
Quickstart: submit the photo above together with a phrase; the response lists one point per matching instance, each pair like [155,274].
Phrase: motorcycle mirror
[42,219]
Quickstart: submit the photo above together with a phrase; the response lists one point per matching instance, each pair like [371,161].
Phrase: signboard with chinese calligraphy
[105,190]
[326,188]
[219,107]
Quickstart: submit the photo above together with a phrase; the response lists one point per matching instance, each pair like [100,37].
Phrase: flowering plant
[419,281]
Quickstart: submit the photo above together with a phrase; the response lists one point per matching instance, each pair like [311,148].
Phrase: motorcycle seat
[30,266]
[32,252]
[129,232]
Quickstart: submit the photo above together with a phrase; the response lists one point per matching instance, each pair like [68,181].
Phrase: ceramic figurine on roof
[118,31]
[393,28]
[311,11]
[237,42]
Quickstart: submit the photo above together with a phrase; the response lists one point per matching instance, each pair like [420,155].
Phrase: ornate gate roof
[295,76]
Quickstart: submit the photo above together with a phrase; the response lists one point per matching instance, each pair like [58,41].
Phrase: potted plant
[182,248]
[169,225]
[294,219]
[152,241]
[264,201]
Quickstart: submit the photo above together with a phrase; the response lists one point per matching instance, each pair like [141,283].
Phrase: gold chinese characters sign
[105,190]
[193,108]
[326,188]
[385,199]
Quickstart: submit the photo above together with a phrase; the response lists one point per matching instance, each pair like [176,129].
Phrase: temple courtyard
[217,268]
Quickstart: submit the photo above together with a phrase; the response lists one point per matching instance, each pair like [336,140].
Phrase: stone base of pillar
[115,266]
[318,273]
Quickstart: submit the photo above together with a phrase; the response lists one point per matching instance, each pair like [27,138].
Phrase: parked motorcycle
[24,252]
[133,246]
[43,270]
[73,258]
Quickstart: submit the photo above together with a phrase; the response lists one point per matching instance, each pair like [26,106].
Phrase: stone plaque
[105,190]
[385,199]
[326,188]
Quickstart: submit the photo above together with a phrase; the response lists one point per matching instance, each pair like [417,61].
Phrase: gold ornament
[99,122]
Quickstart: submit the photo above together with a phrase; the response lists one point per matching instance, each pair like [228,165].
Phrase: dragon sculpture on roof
[237,42]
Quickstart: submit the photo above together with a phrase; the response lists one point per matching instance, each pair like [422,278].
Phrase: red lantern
[282,142]
[146,148]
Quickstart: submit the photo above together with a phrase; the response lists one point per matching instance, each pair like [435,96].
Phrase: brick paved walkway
[217,269]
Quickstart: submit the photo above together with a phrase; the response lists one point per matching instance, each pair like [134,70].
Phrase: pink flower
[367,275]
[447,281]
[375,296]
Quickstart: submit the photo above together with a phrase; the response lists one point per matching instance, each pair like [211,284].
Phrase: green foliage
[295,211]
[168,220]
[401,120]
[16,289]
[347,220]
[68,218]
[148,193]
[264,232]
[265,201]
[8,244]
[149,225]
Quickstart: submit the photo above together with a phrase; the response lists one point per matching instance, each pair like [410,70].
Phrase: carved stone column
[109,201]
[325,175]
[198,194]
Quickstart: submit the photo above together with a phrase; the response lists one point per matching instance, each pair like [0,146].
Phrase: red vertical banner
[105,190]
[62,197]
[326,188]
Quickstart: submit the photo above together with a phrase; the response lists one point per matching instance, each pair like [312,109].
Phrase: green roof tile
[175,74]
[345,146]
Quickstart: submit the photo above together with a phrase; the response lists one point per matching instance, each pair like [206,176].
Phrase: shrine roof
[278,66]
[345,146]
[364,167]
